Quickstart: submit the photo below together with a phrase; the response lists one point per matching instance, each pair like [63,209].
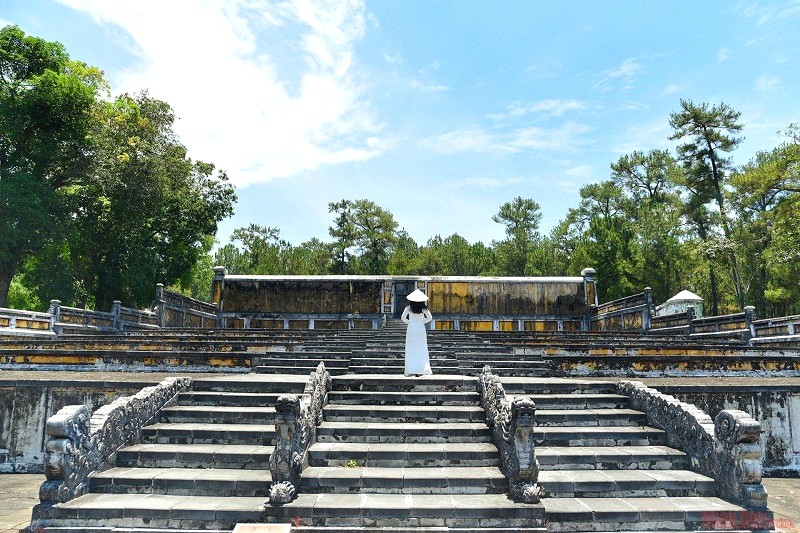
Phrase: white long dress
[417,360]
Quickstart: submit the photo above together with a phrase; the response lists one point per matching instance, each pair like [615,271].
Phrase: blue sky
[437,111]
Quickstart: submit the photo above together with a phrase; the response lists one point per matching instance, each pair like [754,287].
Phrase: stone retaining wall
[777,407]
[26,404]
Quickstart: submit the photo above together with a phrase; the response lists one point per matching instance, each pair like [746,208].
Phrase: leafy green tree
[259,252]
[766,194]
[312,257]
[374,236]
[145,210]
[653,207]
[404,255]
[45,114]
[521,218]
[710,132]
[343,232]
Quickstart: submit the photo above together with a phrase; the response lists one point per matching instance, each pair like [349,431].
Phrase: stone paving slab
[395,398]
[199,431]
[236,482]
[405,479]
[569,482]
[437,505]
[195,455]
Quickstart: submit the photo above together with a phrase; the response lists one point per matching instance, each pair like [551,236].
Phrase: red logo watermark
[744,520]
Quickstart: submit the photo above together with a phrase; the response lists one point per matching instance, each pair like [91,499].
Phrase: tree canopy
[99,199]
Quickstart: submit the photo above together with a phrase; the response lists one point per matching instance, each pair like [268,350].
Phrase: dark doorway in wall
[401,290]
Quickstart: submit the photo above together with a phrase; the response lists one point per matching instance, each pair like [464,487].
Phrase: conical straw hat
[417,296]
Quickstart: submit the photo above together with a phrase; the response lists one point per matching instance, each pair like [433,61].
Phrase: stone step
[404,413]
[297,370]
[251,383]
[115,529]
[182,481]
[431,432]
[195,456]
[590,417]
[610,457]
[202,433]
[397,455]
[441,362]
[247,399]
[303,353]
[520,386]
[578,401]
[408,510]
[403,398]
[405,480]
[533,372]
[625,483]
[627,514]
[156,511]
[302,361]
[597,436]
[398,369]
[422,529]
[217,414]
[400,383]
[495,363]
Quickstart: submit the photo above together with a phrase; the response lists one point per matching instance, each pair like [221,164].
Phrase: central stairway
[382,352]
[405,452]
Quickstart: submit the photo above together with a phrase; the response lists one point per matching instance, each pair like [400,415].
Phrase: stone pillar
[217,291]
[55,312]
[749,317]
[590,293]
[648,310]
[160,305]
[116,312]
[738,454]
[690,314]
[524,471]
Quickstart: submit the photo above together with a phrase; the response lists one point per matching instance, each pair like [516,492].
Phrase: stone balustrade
[512,424]
[79,443]
[726,448]
[296,421]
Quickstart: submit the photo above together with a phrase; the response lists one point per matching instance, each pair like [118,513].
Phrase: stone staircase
[604,469]
[203,465]
[396,452]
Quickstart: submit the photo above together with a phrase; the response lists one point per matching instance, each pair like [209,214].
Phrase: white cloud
[550,107]
[482,183]
[766,83]
[580,171]
[675,88]
[643,136]
[765,14]
[217,64]
[429,87]
[723,54]
[547,70]
[567,137]
[393,59]
[430,68]
[459,141]
[624,73]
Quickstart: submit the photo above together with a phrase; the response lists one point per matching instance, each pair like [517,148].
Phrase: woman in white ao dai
[416,315]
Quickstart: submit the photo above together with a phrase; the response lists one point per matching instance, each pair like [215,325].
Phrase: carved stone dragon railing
[512,424]
[726,449]
[79,443]
[296,421]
